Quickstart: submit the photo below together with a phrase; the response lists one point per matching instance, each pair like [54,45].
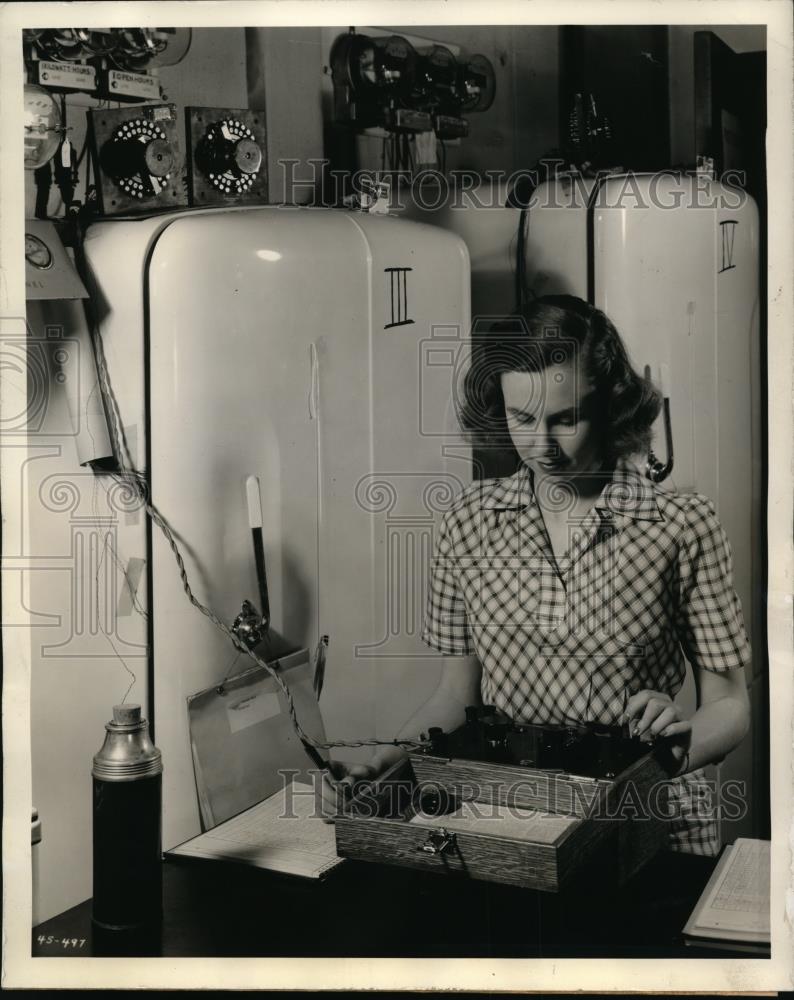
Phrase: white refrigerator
[315,350]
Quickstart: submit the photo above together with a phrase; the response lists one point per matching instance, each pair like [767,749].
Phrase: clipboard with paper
[242,742]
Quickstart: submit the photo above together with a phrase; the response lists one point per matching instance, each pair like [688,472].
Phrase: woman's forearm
[458,687]
[717,727]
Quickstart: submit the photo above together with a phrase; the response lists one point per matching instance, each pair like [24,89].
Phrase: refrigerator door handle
[656,470]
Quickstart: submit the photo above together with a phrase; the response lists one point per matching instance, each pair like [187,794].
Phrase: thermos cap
[126,715]
[128,753]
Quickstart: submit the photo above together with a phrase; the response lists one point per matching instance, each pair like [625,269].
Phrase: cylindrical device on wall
[127,777]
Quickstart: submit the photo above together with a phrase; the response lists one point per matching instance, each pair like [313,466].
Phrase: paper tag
[72,75]
[129,590]
[250,709]
[133,85]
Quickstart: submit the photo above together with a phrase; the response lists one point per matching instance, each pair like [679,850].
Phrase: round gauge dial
[139,158]
[37,252]
[42,123]
[229,155]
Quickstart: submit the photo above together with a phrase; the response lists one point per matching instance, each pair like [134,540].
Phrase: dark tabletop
[366,910]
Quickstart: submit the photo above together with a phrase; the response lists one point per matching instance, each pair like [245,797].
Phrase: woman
[573,590]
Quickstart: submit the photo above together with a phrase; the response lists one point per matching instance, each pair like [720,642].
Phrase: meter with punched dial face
[227,161]
[140,164]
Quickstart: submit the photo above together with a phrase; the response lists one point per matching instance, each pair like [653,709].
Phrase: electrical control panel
[226,156]
[385,81]
[590,749]
[138,159]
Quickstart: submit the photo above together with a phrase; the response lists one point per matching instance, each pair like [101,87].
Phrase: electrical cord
[134,480]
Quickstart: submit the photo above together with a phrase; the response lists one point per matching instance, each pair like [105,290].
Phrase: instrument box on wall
[138,160]
[226,156]
[531,827]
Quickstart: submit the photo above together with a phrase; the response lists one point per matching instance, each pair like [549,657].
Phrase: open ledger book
[733,911]
[282,833]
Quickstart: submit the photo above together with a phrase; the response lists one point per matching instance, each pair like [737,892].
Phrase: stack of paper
[283,834]
[733,911]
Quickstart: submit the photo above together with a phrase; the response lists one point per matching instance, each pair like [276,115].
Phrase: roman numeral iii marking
[398,296]
[728,230]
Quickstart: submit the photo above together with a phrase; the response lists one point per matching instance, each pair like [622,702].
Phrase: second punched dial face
[229,155]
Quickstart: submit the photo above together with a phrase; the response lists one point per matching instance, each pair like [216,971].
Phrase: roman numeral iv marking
[728,230]
[398,296]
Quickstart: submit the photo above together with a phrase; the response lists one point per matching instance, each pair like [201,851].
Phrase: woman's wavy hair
[553,329]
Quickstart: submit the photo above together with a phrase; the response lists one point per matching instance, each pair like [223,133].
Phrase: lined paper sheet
[501,821]
[735,903]
[280,834]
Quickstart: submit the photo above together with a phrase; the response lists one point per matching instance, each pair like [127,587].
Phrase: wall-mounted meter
[477,87]
[138,159]
[438,89]
[226,156]
[113,63]
[373,78]
[139,49]
[387,82]
[43,127]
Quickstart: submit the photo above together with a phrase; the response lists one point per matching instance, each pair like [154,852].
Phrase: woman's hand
[652,715]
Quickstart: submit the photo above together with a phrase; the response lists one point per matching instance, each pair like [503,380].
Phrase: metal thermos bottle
[127,776]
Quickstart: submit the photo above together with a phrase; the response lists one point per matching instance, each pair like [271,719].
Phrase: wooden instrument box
[518,825]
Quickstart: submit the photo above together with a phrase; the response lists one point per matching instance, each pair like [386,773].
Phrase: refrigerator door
[556,249]
[676,270]
[316,350]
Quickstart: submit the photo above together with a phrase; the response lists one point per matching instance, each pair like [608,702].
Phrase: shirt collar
[627,493]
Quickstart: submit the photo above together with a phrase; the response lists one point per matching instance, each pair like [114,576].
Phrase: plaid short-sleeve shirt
[646,582]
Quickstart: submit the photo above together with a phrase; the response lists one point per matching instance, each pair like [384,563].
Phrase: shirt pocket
[519,593]
[639,607]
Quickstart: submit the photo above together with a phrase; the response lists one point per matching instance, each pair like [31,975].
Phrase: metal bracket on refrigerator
[249,625]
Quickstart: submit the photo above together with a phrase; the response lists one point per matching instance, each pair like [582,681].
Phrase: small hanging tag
[425,143]
[66,153]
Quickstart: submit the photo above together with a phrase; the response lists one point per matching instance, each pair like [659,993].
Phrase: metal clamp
[437,842]
[249,626]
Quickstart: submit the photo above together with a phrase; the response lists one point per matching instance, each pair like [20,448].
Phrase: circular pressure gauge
[42,122]
[37,252]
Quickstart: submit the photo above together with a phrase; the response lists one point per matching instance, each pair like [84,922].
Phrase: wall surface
[740,37]
[285,77]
